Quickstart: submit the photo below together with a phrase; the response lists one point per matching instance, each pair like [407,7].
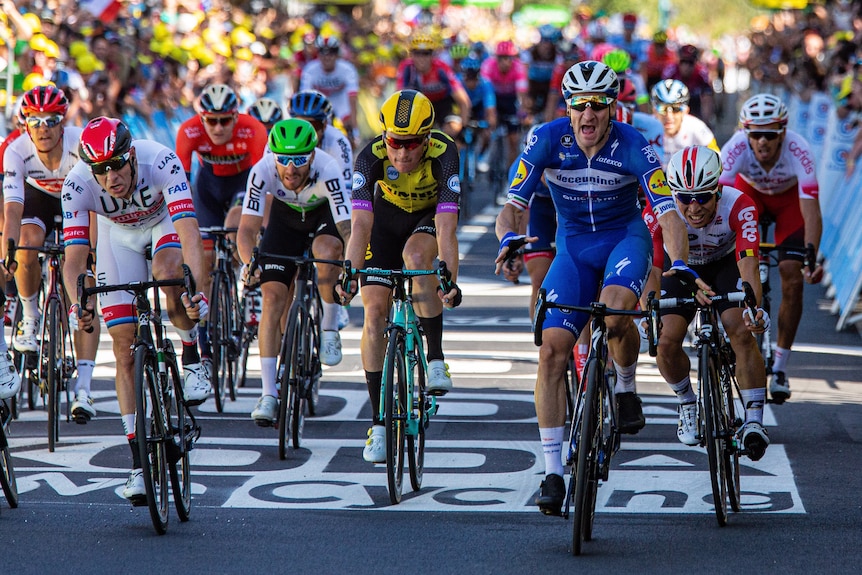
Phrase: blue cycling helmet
[470,64]
[310,104]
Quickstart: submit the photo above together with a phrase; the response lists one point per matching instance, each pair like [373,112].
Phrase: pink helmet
[506,48]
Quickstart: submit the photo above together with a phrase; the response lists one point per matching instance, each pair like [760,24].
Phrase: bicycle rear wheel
[151,431]
[586,482]
[287,373]
[180,442]
[395,385]
[52,358]
[7,470]
[713,433]
[416,443]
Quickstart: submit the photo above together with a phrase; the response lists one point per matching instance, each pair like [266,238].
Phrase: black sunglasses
[114,164]
[701,198]
[770,136]
[224,120]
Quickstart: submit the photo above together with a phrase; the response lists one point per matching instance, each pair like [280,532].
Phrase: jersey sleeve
[656,234]
[171,179]
[339,197]
[528,174]
[77,202]
[13,176]
[366,172]
[445,171]
[185,146]
[256,188]
[804,167]
[743,221]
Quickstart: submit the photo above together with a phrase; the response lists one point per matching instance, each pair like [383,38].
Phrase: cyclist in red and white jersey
[140,196]
[776,168]
[723,244]
[334,77]
[227,144]
[34,169]
[670,99]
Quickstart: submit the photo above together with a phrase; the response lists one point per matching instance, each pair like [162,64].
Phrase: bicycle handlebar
[442,272]
[594,309]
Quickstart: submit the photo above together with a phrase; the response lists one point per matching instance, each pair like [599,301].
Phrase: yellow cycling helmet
[424,40]
[407,113]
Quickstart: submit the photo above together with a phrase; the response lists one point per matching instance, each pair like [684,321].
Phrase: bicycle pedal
[138,501]
[266,423]
[81,418]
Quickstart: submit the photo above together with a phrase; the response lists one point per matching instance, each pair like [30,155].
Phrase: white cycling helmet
[761,110]
[669,93]
[590,77]
[218,99]
[693,170]
[266,110]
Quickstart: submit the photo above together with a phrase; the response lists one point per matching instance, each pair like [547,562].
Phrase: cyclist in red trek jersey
[228,144]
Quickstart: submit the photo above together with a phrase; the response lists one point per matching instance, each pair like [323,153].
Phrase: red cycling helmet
[44,99]
[104,138]
[506,48]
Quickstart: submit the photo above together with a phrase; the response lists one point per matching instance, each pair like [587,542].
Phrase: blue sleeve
[530,167]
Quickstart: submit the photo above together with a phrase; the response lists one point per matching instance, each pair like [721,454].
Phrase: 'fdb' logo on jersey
[567,141]
[391,173]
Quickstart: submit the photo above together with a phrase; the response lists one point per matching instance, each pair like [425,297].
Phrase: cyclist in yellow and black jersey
[406,195]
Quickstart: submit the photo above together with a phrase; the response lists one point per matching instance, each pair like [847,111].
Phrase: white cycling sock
[552,447]
[781,357]
[753,400]
[267,376]
[85,375]
[128,424]
[29,305]
[330,317]
[683,390]
[625,378]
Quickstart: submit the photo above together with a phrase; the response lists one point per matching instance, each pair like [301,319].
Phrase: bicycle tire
[249,333]
[150,431]
[235,334]
[712,433]
[52,339]
[395,394]
[304,376]
[286,373]
[7,471]
[315,371]
[216,325]
[585,480]
[179,464]
[416,443]
[731,451]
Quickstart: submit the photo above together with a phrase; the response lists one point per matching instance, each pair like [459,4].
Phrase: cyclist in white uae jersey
[310,207]
[775,167]
[141,198]
[34,168]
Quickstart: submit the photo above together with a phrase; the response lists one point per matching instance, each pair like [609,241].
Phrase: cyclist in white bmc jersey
[142,201]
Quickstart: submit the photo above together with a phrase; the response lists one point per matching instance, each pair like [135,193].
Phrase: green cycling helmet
[293,136]
[618,60]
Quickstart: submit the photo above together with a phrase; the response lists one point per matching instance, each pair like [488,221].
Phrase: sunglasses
[328,52]
[665,109]
[595,103]
[422,52]
[48,122]
[113,165]
[700,197]
[298,160]
[409,143]
[770,136]
[223,121]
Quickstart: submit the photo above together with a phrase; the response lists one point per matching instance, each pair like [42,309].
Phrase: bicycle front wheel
[151,432]
[416,443]
[287,373]
[220,328]
[52,347]
[731,451]
[180,442]
[586,482]
[710,387]
[395,398]
[7,470]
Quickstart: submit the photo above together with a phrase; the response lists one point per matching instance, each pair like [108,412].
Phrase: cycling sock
[753,400]
[625,378]
[267,376]
[374,379]
[552,447]
[683,390]
[136,455]
[190,353]
[781,357]
[29,305]
[85,375]
[433,328]
[330,317]
[128,425]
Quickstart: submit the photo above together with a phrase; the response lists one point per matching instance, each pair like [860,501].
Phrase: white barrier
[840,200]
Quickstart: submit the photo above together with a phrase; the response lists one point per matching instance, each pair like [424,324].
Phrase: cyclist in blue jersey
[482,97]
[593,166]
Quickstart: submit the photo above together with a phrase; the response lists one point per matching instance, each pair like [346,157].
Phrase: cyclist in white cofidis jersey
[310,207]
[775,167]
[723,241]
[139,194]
[34,169]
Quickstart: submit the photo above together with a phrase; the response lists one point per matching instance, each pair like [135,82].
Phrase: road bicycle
[298,367]
[469,153]
[406,408]
[718,424]
[7,469]
[250,312]
[769,254]
[225,322]
[47,374]
[595,436]
[165,427]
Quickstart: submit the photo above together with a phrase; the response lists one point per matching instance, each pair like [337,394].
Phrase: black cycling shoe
[553,491]
[631,416]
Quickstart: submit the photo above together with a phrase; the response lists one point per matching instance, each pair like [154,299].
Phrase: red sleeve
[401,72]
[185,143]
[654,228]
[257,144]
[743,221]
[5,144]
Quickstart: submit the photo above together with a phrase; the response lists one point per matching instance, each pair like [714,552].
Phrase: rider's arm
[810,208]
[675,235]
[13,196]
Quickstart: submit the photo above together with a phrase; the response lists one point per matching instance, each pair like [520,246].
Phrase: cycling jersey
[22,167]
[437,84]
[245,147]
[434,183]
[336,144]
[338,85]
[651,129]
[509,83]
[482,98]
[11,137]
[733,230]
[540,69]
[692,132]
